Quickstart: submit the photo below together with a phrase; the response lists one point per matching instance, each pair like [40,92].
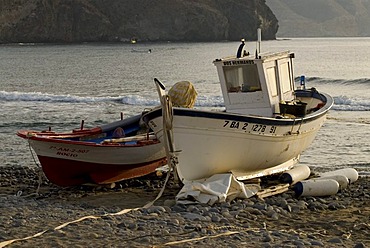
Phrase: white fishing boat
[265,126]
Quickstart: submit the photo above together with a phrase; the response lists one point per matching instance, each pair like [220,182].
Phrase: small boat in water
[266,125]
[141,51]
[101,155]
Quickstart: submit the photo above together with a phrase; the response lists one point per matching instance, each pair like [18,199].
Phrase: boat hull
[248,146]
[66,163]
[64,172]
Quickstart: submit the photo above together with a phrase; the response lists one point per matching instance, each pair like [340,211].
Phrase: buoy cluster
[325,184]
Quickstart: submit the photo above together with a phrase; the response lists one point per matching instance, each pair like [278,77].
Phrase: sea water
[58,86]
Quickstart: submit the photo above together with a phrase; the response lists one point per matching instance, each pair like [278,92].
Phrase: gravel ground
[283,220]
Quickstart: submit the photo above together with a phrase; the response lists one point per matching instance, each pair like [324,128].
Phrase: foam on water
[45,97]
[345,103]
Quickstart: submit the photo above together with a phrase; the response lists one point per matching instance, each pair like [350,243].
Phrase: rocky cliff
[122,20]
[317,18]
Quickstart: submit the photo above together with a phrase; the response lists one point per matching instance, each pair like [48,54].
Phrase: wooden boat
[100,155]
[266,125]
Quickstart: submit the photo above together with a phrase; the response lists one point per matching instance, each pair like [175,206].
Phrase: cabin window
[285,78]
[242,78]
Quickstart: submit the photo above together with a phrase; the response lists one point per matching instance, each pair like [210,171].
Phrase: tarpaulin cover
[217,188]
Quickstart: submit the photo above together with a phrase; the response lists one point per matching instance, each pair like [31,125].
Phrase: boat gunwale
[252,118]
[55,139]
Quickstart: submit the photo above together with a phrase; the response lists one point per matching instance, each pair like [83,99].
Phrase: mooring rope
[197,239]
[40,172]
[33,157]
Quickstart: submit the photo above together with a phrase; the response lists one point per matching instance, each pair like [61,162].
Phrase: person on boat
[241,51]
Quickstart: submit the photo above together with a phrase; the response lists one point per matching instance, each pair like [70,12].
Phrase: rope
[33,157]
[197,239]
[40,171]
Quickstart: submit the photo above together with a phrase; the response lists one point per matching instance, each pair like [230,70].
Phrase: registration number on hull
[251,128]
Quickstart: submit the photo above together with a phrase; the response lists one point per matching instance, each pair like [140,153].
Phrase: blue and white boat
[266,125]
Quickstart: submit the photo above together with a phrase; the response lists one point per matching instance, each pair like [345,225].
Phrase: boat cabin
[256,84]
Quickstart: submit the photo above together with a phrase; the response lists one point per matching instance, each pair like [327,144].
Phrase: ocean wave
[344,103]
[320,80]
[45,97]
[209,101]
[138,100]
[204,101]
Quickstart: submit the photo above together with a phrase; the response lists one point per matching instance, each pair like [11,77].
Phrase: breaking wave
[345,103]
[319,80]
[45,97]
[204,101]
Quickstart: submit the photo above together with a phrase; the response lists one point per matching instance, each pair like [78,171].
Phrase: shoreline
[284,220]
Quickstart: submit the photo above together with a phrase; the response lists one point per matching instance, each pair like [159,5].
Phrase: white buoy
[296,174]
[314,187]
[342,180]
[350,173]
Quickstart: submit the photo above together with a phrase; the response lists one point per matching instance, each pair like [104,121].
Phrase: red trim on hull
[66,139]
[64,172]
[26,134]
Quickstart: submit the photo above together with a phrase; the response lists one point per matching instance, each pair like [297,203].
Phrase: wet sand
[342,220]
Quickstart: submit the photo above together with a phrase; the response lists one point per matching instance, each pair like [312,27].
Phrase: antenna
[259,38]
[258,44]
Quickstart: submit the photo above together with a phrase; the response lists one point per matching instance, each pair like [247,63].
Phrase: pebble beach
[36,213]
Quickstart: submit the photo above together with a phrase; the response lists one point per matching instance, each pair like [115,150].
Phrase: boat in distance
[101,155]
[266,125]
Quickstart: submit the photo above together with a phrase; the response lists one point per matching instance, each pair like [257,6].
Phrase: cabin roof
[261,56]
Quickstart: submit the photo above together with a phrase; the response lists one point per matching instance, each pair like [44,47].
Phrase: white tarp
[217,188]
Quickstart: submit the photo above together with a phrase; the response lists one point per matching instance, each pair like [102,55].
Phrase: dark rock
[267,238]
[359,245]
[316,243]
[335,241]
